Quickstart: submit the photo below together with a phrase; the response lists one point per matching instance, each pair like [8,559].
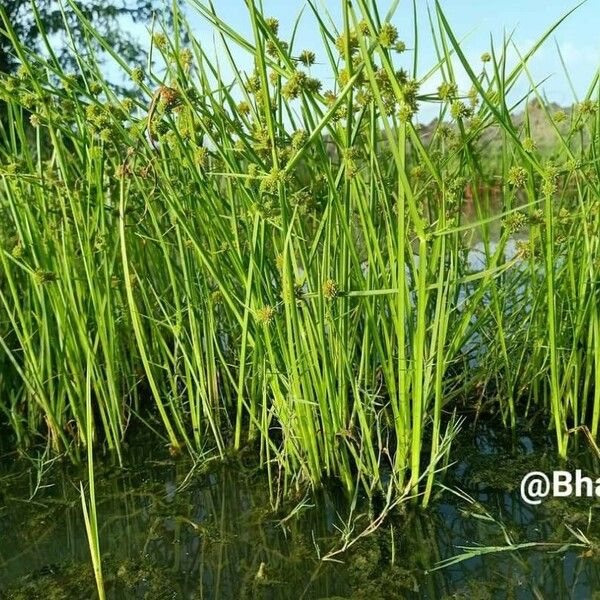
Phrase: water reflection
[213,535]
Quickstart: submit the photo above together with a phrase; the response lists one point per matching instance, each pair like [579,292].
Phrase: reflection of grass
[579,539]
[267,264]
[89,510]
[215,532]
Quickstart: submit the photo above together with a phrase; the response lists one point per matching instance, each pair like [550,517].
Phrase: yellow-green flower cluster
[201,157]
[447,90]
[331,289]
[517,176]
[560,116]
[272,25]
[43,277]
[388,35]
[299,139]
[587,108]
[529,144]
[265,315]
[515,221]
[295,85]
[352,41]
[459,110]
[307,58]
[400,47]
[270,182]
[160,41]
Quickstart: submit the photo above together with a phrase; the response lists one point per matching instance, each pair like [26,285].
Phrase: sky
[476,23]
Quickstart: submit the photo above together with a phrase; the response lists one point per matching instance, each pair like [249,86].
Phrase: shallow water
[167,534]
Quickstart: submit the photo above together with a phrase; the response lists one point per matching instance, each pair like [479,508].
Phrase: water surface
[166,533]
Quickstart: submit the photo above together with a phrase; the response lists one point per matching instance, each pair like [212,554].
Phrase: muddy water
[166,533]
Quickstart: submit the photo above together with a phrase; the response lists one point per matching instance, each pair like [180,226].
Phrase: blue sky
[473,21]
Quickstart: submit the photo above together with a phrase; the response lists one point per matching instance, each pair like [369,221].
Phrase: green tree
[109,17]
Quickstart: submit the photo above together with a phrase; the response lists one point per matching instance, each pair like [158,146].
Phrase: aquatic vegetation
[89,509]
[244,259]
[168,535]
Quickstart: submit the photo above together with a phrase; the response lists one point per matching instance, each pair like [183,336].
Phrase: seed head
[107,134]
[459,110]
[549,187]
[299,139]
[560,116]
[517,176]
[185,58]
[364,97]
[127,104]
[95,152]
[405,112]
[253,85]
[307,58]
[95,88]
[363,27]
[304,201]
[523,250]
[455,190]
[486,57]
[244,108]
[272,25]
[410,89]
[473,97]
[295,85]
[417,172]
[330,97]
[587,108]
[271,181]
[67,106]
[564,216]
[92,112]
[10,83]
[159,40]
[344,77]
[388,35]
[529,144]
[43,277]
[560,238]
[265,315]
[448,90]
[29,100]
[169,97]
[340,43]
[551,170]
[331,289]
[123,171]
[201,157]
[279,262]
[475,125]
[22,72]
[537,217]
[444,131]
[313,85]
[515,221]
[272,49]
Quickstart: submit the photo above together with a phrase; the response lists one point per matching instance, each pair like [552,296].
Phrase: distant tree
[107,16]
